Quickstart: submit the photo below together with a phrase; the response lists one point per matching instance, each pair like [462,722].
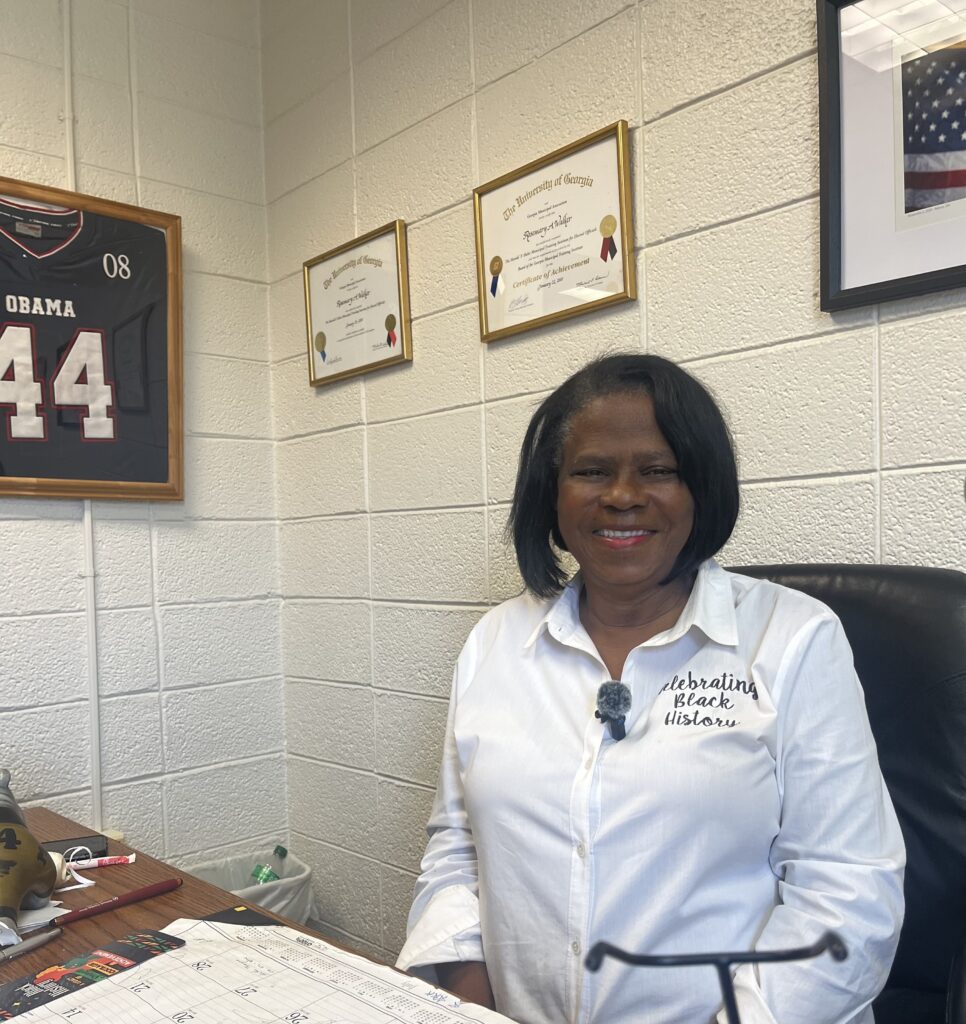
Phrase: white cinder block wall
[167,100]
[393,488]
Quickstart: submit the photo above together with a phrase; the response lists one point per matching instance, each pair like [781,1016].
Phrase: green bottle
[270,872]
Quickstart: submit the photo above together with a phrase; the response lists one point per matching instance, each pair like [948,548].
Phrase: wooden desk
[194,898]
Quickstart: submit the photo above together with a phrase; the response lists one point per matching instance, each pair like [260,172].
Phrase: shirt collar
[710,608]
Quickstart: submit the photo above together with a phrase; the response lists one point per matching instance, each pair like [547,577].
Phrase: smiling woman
[740,804]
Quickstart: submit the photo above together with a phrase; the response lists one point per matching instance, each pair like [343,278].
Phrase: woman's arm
[838,856]
[468,980]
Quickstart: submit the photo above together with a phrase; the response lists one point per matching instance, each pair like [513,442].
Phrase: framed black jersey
[90,347]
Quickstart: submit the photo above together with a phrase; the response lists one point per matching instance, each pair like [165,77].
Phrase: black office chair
[907,628]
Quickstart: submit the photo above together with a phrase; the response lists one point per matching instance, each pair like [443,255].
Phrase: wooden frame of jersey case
[892,140]
[90,347]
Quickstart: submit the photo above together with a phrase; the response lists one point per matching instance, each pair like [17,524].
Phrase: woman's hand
[468,980]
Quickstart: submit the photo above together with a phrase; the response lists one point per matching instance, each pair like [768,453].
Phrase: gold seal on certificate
[556,236]
[357,306]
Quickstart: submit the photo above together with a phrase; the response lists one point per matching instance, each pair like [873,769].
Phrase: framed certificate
[554,239]
[357,306]
[892,133]
[90,347]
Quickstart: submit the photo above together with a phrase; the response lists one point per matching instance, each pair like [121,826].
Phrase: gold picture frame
[548,235]
[91,359]
[356,297]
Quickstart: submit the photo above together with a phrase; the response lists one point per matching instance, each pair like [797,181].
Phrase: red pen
[134,896]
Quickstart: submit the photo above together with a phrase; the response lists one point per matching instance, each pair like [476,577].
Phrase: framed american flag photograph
[892,102]
[90,347]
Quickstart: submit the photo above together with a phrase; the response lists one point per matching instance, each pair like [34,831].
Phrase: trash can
[289,895]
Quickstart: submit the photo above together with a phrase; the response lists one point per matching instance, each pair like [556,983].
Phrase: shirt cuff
[751,1003]
[448,930]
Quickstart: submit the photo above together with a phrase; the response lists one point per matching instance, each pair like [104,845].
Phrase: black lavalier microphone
[613,703]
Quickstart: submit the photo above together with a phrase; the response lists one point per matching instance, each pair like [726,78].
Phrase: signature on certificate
[520,302]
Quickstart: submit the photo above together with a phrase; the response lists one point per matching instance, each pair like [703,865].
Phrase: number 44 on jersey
[79,382]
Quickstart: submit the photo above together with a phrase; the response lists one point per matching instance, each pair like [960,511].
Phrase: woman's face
[622,510]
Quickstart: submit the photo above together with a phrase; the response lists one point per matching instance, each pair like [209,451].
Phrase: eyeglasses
[722,962]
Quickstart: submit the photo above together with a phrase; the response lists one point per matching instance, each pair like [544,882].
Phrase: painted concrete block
[35,167]
[431,556]
[403,811]
[437,155]
[583,85]
[308,139]
[690,50]
[302,51]
[923,367]
[375,23]
[346,887]
[415,649]
[798,409]
[224,804]
[286,316]
[99,181]
[195,70]
[99,41]
[102,129]
[225,317]
[296,234]
[325,557]
[426,69]
[535,362]
[124,719]
[122,563]
[936,302]
[219,236]
[506,424]
[211,724]
[33,31]
[739,285]
[508,35]
[199,150]
[44,660]
[299,409]
[924,518]
[503,576]
[210,561]
[321,475]
[132,807]
[218,643]
[47,749]
[696,175]
[409,737]
[444,373]
[127,651]
[31,105]
[397,896]
[327,640]
[227,396]
[811,521]
[442,264]
[330,722]
[47,561]
[230,19]
[428,461]
[333,803]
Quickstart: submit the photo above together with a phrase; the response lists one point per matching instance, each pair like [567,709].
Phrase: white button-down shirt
[744,809]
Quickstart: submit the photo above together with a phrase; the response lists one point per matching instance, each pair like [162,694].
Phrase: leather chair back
[907,628]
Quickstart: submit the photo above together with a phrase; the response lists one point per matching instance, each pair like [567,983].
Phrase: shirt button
[581,850]
[575,948]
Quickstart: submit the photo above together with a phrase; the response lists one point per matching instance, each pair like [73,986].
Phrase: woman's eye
[590,472]
[660,471]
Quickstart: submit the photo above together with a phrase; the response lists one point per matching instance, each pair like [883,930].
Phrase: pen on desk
[134,896]
[29,944]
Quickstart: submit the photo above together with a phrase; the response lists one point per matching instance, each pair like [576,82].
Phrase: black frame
[833,295]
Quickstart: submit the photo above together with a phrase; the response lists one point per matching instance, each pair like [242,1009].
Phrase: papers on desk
[234,974]
[31,920]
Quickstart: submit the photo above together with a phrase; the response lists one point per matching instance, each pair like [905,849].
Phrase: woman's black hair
[691,423]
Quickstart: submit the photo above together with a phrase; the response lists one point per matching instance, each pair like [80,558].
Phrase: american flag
[934,121]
